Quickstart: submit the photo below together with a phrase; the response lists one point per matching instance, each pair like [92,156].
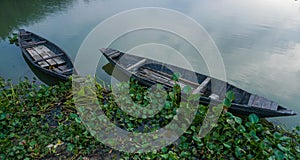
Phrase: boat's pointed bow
[293,113]
[102,50]
[287,112]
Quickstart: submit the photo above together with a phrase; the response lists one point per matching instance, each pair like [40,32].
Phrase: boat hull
[29,40]
[242,105]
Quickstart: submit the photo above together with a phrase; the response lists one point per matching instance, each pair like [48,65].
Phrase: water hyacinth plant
[13,39]
[41,122]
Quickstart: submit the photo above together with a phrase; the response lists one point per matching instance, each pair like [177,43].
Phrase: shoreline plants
[41,122]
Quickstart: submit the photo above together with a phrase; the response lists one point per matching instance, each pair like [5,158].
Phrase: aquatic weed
[40,122]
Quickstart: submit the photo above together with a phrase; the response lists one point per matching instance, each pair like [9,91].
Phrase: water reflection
[259,40]
[15,13]
[162,46]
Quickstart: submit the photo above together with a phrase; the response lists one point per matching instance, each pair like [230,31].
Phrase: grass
[41,122]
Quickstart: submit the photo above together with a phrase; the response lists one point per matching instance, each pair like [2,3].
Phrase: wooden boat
[45,55]
[149,72]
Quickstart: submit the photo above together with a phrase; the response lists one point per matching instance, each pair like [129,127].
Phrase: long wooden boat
[149,72]
[45,55]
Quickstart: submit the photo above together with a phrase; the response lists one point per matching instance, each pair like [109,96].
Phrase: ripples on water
[258,40]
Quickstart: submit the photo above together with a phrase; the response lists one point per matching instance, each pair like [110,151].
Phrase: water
[259,40]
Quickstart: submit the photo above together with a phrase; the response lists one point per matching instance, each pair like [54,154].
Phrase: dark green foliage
[41,122]
[13,39]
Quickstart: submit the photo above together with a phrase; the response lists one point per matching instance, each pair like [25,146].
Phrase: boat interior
[44,54]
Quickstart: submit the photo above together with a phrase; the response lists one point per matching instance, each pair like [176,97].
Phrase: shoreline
[40,121]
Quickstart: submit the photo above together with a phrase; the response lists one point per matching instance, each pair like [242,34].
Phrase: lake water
[258,40]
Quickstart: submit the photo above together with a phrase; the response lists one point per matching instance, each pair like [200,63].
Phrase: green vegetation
[38,121]
[13,39]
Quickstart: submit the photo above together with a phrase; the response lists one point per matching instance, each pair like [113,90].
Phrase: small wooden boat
[149,72]
[45,55]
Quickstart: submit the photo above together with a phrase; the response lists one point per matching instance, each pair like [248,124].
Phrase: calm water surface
[258,40]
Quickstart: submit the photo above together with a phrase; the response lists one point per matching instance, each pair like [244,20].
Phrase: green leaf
[70,147]
[31,94]
[241,128]
[238,120]
[172,95]
[226,102]
[230,95]
[32,143]
[250,156]
[297,148]
[253,118]
[195,138]
[165,156]
[164,150]
[284,138]
[194,97]
[33,119]
[238,151]
[175,76]
[278,155]
[39,95]
[277,135]
[78,120]
[284,149]
[217,109]
[187,89]
[227,145]
[73,116]
[193,128]
[81,92]
[2,116]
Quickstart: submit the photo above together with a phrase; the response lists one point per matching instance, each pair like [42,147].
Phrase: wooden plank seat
[27,39]
[46,53]
[170,76]
[63,69]
[115,55]
[37,57]
[58,55]
[30,44]
[139,63]
[25,34]
[150,75]
[45,49]
[200,88]
[44,56]
[113,52]
[154,79]
[162,77]
[68,70]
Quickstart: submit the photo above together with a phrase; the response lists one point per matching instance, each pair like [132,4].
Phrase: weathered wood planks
[139,63]
[35,55]
[30,44]
[261,102]
[202,86]
[44,56]
[46,50]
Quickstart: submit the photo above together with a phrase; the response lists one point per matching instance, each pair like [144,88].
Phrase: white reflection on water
[259,40]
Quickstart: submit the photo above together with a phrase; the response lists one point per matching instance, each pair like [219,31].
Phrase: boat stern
[285,111]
